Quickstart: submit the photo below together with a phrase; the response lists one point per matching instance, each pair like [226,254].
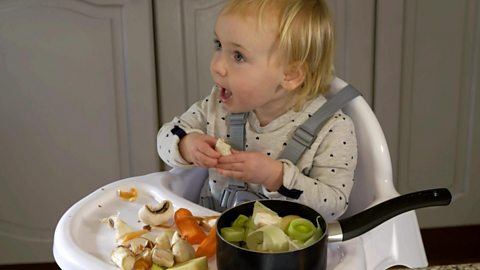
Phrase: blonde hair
[305,36]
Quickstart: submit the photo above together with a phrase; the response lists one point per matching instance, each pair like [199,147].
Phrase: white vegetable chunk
[223,148]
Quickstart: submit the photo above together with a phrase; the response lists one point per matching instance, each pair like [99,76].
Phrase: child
[273,59]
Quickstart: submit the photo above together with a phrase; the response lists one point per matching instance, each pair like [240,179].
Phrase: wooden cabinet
[78,110]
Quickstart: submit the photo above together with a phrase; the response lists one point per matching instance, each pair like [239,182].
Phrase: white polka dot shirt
[324,173]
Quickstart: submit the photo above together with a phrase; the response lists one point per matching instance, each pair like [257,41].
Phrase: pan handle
[366,220]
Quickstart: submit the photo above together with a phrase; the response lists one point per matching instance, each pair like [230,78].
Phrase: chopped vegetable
[267,232]
[123,258]
[121,228]
[200,263]
[188,226]
[182,251]
[208,247]
[128,195]
[300,229]
[233,234]
[286,221]
[317,234]
[240,221]
[162,257]
[268,238]
[132,235]
[142,264]
[157,267]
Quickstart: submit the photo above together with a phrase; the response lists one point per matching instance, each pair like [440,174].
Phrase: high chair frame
[78,240]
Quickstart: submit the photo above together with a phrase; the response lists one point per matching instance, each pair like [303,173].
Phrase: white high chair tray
[82,241]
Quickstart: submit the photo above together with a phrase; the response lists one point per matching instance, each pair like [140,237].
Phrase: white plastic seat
[395,242]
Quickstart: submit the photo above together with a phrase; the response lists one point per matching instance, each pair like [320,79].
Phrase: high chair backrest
[373,175]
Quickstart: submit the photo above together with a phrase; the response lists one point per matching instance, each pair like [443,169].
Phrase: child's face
[247,67]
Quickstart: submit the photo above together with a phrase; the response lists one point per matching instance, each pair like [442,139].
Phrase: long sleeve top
[324,172]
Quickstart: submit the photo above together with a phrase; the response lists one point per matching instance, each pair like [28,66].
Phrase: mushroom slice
[157,214]
[183,251]
[223,148]
[162,257]
[123,258]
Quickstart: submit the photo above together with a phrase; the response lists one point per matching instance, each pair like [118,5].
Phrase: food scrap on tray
[161,245]
[130,196]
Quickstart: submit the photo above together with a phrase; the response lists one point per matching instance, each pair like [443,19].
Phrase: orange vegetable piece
[208,247]
[128,195]
[132,235]
[188,226]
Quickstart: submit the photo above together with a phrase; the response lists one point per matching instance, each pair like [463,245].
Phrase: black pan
[230,256]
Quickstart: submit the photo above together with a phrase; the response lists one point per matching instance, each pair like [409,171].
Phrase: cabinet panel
[436,104]
[70,102]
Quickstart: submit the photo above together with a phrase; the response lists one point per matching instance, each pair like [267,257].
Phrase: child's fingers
[237,166]
[233,174]
[207,150]
[203,160]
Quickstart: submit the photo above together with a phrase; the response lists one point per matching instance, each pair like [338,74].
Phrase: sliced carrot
[208,247]
[132,235]
[188,226]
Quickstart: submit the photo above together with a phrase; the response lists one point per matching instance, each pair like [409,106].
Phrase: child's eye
[217,45]
[238,57]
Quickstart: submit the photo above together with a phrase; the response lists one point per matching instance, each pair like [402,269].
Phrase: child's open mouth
[225,94]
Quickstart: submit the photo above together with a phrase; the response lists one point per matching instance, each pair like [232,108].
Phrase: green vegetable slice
[317,234]
[300,229]
[240,221]
[233,234]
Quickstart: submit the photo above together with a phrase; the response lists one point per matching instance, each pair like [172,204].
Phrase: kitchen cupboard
[78,110]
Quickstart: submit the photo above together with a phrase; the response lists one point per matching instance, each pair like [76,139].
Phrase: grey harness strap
[236,123]
[306,133]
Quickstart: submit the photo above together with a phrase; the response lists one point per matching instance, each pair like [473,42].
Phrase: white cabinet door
[427,97]
[77,110]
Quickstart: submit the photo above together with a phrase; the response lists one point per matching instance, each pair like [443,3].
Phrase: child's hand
[199,149]
[252,167]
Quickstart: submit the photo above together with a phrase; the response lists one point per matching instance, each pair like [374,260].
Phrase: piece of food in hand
[123,258]
[223,148]
[156,214]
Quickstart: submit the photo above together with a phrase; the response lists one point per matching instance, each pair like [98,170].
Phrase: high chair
[81,242]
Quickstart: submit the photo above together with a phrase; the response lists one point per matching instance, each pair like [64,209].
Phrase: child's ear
[294,77]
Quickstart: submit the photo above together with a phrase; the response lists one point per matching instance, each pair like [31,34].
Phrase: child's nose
[218,65]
